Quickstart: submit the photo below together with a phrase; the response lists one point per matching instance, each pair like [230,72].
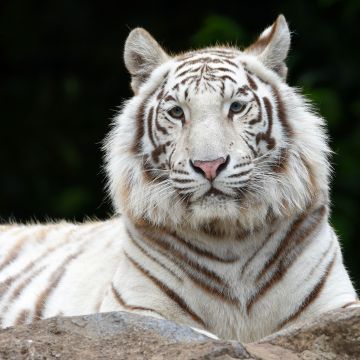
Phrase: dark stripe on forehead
[224,69]
[169,98]
[208,84]
[243,90]
[186,94]
[206,60]
[227,77]
[190,70]
[192,62]
[251,81]
[230,62]
[229,53]
[222,89]
[189,78]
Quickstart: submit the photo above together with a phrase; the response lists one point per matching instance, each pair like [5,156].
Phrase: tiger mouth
[215,192]
[214,195]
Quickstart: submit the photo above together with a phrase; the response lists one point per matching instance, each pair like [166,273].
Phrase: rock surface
[334,335]
[118,335]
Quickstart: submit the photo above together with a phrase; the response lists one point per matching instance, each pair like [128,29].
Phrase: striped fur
[242,255]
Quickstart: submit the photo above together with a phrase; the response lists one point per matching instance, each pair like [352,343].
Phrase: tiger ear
[142,54]
[272,46]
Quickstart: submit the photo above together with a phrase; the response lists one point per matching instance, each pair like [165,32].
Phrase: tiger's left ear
[142,55]
[272,46]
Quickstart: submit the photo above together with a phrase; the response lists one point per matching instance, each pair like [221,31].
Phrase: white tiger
[220,171]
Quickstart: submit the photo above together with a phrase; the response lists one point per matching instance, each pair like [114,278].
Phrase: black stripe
[122,302]
[55,278]
[240,174]
[295,233]
[169,292]
[291,247]
[139,133]
[182,181]
[175,254]
[150,131]
[311,297]
[259,117]
[157,261]
[203,252]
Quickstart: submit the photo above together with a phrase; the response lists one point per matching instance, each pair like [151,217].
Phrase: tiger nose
[210,169]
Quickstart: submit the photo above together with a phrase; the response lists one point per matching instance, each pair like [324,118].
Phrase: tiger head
[214,135]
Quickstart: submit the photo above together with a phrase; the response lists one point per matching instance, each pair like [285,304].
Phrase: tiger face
[208,134]
[208,124]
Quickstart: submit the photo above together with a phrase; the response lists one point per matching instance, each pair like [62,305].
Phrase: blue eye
[176,112]
[236,107]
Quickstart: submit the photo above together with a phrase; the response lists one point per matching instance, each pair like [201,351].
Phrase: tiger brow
[169,98]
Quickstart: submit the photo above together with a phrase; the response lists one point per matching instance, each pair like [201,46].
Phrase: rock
[115,335]
[120,335]
[333,335]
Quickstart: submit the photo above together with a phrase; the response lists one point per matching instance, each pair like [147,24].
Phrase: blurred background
[62,80]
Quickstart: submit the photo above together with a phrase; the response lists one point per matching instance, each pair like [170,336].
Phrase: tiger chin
[219,174]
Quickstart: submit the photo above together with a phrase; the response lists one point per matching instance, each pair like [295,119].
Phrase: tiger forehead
[205,59]
[210,70]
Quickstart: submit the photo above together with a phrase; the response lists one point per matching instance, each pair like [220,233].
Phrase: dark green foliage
[63,78]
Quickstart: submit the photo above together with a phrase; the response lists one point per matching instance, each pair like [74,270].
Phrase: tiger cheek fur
[220,170]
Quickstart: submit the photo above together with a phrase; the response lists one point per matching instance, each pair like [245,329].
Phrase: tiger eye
[236,107]
[176,112]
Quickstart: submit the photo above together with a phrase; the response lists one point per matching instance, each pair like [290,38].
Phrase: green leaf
[217,29]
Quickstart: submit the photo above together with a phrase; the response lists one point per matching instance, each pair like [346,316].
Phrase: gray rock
[115,335]
[334,335]
[120,335]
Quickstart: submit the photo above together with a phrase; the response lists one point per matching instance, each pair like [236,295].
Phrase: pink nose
[209,168]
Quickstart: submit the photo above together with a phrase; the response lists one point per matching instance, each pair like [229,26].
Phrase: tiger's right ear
[272,46]
[142,55]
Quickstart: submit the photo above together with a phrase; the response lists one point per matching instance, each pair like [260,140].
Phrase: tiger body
[37,258]
[220,170]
